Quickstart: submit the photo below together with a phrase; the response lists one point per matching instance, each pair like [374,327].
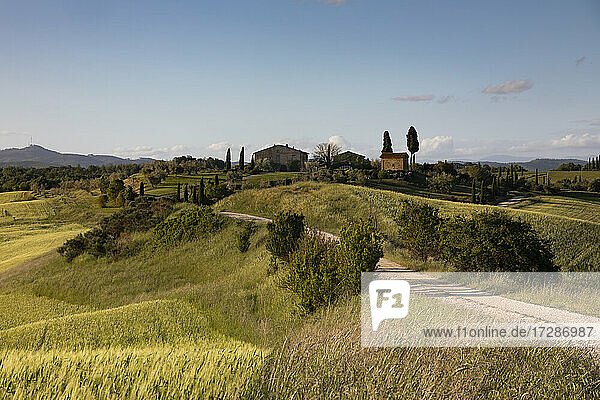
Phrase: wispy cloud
[446,99]
[152,152]
[580,61]
[425,97]
[509,87]
[333,2]
[590,122]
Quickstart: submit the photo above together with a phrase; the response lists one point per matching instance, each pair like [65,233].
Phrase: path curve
[461,295]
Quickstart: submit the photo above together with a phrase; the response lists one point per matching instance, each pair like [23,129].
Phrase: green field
[30,226]
[202,320]
[575,242]
[576,205]
[556,176]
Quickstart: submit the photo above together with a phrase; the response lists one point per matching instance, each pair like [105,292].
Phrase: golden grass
[19,243]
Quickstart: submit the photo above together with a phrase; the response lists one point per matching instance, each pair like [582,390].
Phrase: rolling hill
[39,157]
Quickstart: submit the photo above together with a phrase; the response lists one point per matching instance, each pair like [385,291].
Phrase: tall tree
[185,193]
[241,161]
[412,143]
[178,191]
[473,197]
[202,191]
[537,178]
[141,188]
[228,160]
[387,143]
[216,180]
[482,193]
[326,152]
[194,194]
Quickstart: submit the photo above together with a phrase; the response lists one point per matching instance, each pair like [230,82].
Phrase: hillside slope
[575,243]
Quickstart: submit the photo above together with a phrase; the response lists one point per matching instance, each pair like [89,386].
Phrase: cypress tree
[494,189]
[216,179]
[482,194]
[141,188]
[241,161]
[185,193]
[387,143]
[537,180]
[178,191]
[473,199]
[194,194]
[228,160]
[202,192]
[548,178]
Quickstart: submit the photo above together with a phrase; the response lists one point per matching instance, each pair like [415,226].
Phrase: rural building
[349,159]
[394,161]
[282,155]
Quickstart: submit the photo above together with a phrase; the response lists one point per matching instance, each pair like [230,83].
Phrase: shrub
[314,271]
[120,200]
[441,183]
[102,200]
[382,174]
[493,241]
[243,237]
[284,232]
[115,187]
[361,249]
[72,248]
[419,226]
[594,186]
[188,225]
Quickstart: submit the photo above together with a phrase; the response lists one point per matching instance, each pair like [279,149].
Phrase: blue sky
[165,78]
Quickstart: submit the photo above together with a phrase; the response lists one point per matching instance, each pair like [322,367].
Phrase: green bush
[322,269]
[102,241]
[419,226]
[441,183]
[102,200]
[284,233]
[314,271]
[188,225]
[361,250]
[493,241]
[73,248]
[594,186]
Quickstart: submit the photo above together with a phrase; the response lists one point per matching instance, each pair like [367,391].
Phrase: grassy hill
[201,319]
[575,242]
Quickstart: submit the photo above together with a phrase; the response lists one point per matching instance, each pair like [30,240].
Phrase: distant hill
[39,157]
[542,164]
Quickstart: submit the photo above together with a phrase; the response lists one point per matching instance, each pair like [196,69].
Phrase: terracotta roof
[394,155]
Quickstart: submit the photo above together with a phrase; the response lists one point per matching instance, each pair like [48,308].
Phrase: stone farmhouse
[282,155]
[394,161]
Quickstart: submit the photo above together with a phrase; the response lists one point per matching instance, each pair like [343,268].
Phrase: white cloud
[580,61]
[425,97]
[509,87]
[149,151]
[340,141]
[220,146]
[437,146]
[575,141]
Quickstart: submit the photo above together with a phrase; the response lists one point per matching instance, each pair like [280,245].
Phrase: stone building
[282,155]
[394,161]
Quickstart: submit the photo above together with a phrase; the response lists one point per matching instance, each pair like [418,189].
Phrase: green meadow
[202,320]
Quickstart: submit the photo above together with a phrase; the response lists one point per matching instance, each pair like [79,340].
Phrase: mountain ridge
[40,157]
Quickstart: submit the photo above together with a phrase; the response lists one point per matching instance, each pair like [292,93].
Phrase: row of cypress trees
[241,162]
[195,194]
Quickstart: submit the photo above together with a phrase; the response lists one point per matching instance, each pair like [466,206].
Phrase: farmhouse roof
[284,146]
[394,155]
